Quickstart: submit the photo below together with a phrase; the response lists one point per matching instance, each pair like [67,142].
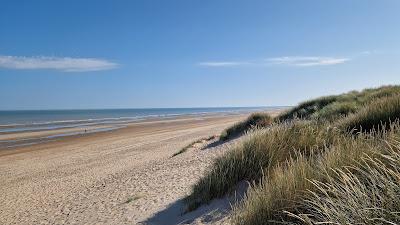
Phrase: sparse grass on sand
[191,145]
[256,120]
[131,199]
[319,170]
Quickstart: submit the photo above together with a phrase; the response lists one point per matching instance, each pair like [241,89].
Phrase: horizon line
[200,107]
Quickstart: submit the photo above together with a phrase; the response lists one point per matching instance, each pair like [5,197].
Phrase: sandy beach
[125,176]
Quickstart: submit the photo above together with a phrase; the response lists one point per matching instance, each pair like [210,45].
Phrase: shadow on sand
[219,142]
[173,214]
[217,210]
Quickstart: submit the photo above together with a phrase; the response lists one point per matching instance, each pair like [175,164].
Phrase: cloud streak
[307,61]
[64,64]
[223,64]
[300,61]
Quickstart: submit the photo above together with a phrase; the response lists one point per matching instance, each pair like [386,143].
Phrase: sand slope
[119,177]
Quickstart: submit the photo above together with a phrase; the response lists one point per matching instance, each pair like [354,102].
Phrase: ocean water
[43,120]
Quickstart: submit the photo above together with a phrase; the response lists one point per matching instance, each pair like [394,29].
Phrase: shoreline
[32,135]
[10,140]
[40,140]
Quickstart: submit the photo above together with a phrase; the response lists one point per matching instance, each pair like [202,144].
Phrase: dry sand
[125,176]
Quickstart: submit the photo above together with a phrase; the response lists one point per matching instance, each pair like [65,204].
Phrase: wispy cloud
[301,61]
[65,64]
[223,64]
[307,61]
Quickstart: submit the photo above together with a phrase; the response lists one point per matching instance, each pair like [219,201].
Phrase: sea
[20,121]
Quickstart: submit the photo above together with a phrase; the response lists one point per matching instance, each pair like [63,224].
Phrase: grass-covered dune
[335,106]
[328,108]
[253,121]
[318,163]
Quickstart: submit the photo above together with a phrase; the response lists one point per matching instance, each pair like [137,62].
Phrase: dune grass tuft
[375,116]
[288,185]
[306,109]
[255,120]
[367,193]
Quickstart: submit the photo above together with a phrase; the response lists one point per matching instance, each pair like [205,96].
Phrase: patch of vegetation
[256,120]
[131,199]
[336,106]
[336,110]
[317,170]
[306,109]
[289,185]
[366,194]
[375,116]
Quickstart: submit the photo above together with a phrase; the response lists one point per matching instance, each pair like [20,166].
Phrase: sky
[88,54]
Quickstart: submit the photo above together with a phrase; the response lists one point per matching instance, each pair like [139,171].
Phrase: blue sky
[192,53]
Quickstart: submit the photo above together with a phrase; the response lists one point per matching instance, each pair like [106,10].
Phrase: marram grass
[256,120]
[257,153]
[339,166]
